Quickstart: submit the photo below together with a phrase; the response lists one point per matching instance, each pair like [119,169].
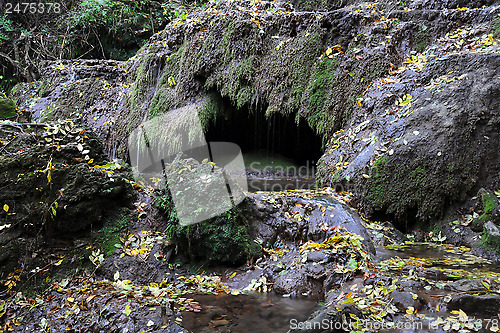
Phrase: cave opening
[274,146]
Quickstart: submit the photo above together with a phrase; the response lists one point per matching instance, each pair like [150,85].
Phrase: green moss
[490,202]
[490,241]
[7,108]
[221,239]
[110,233]
[496,28]
[422,40]
[43,90]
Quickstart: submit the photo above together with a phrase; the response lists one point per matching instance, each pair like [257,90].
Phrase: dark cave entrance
[273,147]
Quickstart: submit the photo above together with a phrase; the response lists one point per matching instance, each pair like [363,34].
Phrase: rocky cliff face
[405,95]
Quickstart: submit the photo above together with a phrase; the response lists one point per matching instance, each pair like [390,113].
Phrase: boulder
[289,218]
[475,304]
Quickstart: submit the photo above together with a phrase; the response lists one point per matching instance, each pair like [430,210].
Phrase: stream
[247,313]
[254,312]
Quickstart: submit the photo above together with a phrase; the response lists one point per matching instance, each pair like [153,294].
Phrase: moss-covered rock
[487,202]
[491,237]
[496,28]
[222,239]
[414,150]
[57,183]
[7,108]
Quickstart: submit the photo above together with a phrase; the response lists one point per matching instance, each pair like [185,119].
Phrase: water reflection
[249,313]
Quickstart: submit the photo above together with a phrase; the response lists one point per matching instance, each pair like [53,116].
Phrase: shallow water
[247,313]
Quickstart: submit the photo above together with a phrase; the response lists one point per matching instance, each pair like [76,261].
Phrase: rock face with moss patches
[426,136]
[56,185]
[413,87]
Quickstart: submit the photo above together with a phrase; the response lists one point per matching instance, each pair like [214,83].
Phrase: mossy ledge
[272,65]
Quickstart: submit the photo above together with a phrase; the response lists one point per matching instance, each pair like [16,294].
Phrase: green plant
[6,26]
[180,12]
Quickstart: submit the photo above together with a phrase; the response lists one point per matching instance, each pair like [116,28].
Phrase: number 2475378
[32,7]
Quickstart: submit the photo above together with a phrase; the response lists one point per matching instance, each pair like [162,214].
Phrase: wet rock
[466,285]
[488,205]
[403,300]
[291,218]
[319,256]
[296,282]
[477,304]
[420,162]
[466,237]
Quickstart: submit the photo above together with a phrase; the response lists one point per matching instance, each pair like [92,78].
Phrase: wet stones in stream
[312,240]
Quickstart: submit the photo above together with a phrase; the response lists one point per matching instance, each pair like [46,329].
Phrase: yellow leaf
[359,103]
[127,310]
[462,316]
[70,299]
[171,81]
[329,52]
[410,310]
[6,208]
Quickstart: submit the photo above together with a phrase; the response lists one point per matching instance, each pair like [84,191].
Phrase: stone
[403,299]
[476,304]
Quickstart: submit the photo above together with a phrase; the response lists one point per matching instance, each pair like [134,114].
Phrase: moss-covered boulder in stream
[224,239]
